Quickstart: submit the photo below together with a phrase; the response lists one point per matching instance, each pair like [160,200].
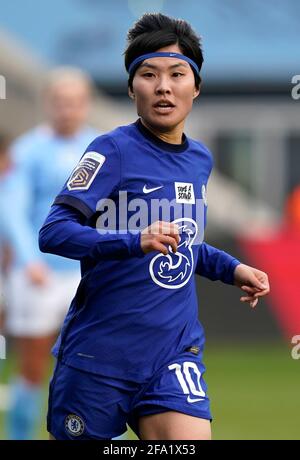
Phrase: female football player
[130,350]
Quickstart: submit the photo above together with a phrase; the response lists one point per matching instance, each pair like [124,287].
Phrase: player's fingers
[162,227]
[169,229]
[175,236]
[253,303]
[168,226]
[245,299]
[261,293]
[261,281]
[168,240]
[249,289]
[256,291]
[157,246]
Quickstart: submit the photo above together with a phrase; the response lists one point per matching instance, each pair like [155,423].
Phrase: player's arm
[23,234]
[65,234]
[215,264]
[15,211]
[97,178]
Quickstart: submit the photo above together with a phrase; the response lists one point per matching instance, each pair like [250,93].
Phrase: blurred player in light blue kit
[40,286]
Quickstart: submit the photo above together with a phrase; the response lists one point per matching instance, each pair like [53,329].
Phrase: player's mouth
[164,106]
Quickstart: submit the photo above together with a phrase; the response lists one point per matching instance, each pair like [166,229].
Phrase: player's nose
[163,86]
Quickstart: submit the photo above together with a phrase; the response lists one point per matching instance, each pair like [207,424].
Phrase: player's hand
[252,281]
[159,236]
[37,273]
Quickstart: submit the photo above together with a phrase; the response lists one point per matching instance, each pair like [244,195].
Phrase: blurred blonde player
[40,287]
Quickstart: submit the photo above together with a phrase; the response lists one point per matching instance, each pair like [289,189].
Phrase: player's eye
[177,74]
[148,74]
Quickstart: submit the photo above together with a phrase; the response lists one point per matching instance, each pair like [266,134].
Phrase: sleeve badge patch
[86,171]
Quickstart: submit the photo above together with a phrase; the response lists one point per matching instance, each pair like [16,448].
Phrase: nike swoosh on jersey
[149,190]
[190,400]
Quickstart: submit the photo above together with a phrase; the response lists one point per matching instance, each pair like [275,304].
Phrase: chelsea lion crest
[74,425]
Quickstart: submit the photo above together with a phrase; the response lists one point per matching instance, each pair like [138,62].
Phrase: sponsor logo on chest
[184,192]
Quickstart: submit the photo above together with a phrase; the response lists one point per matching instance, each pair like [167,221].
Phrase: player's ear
[131,93]
[196,93]
[197,89]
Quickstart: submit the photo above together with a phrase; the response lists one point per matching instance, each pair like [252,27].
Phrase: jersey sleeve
[215,264]
[65,234]
[97,176]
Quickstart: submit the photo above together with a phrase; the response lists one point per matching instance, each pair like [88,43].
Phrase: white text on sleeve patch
[86,171]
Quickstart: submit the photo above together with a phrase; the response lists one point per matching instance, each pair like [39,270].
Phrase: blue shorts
[83,405]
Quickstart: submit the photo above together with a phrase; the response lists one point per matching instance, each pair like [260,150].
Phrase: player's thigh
[174,425]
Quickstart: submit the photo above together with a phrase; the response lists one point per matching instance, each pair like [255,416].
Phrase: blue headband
[139,59]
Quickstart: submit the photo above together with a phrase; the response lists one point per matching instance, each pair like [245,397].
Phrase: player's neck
[65,131]
[173,136]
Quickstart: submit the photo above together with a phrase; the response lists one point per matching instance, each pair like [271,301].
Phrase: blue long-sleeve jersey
[132,312]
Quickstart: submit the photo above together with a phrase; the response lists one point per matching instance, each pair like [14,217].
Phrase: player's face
[164,90]
[67,106]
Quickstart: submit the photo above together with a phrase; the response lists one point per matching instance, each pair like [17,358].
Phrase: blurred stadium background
[247,117]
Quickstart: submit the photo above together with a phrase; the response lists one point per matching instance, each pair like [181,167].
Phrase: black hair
[154,31]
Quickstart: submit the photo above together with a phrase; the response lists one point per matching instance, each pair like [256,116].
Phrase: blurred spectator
[40,287]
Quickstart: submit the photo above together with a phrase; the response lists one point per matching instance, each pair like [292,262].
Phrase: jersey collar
[175,148]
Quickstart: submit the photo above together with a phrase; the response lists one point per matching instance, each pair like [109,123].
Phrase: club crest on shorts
[74,425]
[86,171]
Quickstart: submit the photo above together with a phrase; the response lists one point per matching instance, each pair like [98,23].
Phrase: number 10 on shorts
[186,382]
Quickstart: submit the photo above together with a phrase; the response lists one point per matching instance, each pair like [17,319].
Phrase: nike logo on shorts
[191,400]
